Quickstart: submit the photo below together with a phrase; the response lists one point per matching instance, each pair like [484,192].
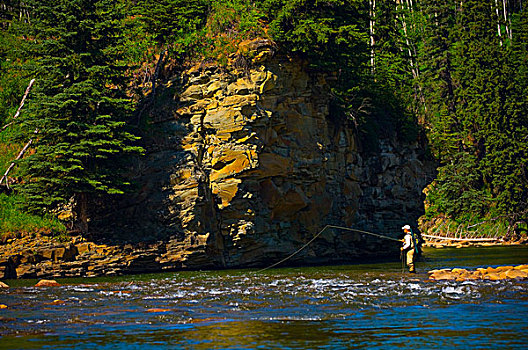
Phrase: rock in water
[516,274]
[47,283]
[490,273]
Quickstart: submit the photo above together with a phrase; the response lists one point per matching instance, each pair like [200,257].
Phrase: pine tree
[436,63]
[484,171]
[79,107]
[169,19]
[507,152]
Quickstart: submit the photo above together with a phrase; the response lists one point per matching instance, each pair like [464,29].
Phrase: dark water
[339,307]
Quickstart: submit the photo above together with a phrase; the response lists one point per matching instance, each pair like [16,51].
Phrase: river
[371,306]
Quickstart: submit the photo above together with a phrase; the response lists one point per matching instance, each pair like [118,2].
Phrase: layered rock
[45,257]
[254,163]
[245,164]
[489,273]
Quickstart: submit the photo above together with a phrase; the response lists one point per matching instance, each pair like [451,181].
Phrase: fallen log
[461,239]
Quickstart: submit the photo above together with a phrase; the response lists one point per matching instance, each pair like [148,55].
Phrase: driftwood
[21,105]
[20,155]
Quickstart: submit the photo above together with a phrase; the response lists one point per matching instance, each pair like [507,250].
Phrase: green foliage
[12,79]
[13,82]
[393,66]
[14,219]
[169,20]
[333,36]
[457,190]
[330,34]
[477,111]
[79,106]
[199,29]
[238,18]
[228,24]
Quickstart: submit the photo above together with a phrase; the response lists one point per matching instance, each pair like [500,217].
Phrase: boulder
[493,276]
[489,273]
[516,274]
[3,285]
[444,274]
[47,283]
[158,310]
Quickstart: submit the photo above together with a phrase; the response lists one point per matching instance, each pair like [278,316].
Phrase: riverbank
[453,243]
[40,256]
[43,257]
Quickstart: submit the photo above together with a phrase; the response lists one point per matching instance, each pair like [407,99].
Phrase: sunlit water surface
[371,306]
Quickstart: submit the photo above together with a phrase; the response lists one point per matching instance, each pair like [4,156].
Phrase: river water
[371,306]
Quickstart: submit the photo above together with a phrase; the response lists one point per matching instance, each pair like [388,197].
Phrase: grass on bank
[14,220]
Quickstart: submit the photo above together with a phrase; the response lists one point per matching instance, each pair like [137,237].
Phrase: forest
[75,75]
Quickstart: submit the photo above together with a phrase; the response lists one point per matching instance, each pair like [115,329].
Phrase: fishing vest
[412,240]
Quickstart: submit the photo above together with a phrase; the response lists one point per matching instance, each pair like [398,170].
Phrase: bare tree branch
[20,155]
[21,105]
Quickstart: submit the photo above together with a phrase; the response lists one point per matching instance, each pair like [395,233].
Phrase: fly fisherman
[409,247]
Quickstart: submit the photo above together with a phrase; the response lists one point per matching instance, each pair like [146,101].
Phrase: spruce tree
[438,85]
[79,107]
[507,154]
[484,166]
[169,19]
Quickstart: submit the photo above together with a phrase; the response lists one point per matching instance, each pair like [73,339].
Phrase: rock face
[245,164]
[253,164]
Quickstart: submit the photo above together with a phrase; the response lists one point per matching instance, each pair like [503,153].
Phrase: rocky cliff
[254,163]
[245,164]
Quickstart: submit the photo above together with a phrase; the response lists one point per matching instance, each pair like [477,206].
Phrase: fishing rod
[317,235]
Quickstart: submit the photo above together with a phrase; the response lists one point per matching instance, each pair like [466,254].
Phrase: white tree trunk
[20,155]
[372,13]
[498,21]
[506,19]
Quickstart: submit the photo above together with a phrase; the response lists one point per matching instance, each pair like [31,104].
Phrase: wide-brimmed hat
[406,227]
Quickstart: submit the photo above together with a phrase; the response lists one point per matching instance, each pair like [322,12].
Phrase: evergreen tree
[484,171]
[436,63]
[79,107]
[168,20]
[332,34]
[507,151]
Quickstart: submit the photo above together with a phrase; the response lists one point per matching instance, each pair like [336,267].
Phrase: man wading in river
[409,244]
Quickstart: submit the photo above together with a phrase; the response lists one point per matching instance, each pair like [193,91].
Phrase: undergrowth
[14,220]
